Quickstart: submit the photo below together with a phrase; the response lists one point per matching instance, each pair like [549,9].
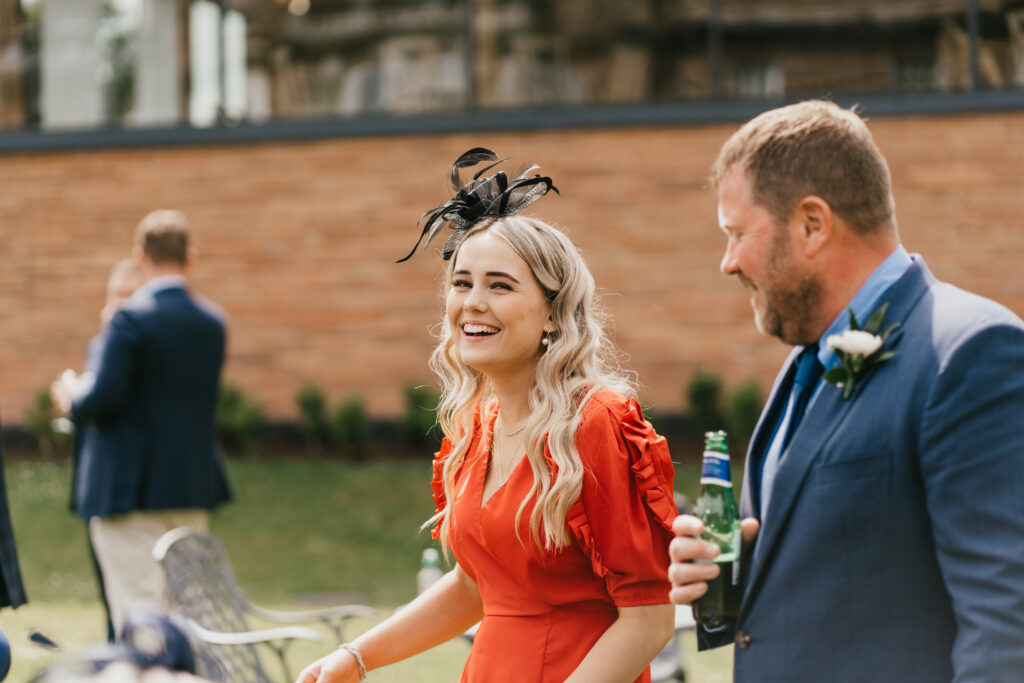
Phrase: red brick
[298,241]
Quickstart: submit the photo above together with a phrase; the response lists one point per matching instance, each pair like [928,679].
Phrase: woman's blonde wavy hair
[578,361]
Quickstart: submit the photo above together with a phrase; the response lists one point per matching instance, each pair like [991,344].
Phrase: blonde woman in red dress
[553,493]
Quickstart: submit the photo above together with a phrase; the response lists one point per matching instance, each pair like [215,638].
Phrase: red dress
[544,610]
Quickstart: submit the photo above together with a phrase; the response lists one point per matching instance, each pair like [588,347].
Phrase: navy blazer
[147,423]
[893,547]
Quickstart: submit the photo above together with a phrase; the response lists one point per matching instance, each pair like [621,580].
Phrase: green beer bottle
[716,507]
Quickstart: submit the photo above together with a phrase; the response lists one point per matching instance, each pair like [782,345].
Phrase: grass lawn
[301,533]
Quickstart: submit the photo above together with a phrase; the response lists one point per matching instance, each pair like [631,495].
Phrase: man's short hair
[163,236]
[812,148]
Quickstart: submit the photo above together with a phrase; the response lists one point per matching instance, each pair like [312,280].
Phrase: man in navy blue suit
[883,506]
[148,462]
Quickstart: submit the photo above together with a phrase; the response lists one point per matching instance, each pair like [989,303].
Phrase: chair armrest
[332,617]
[339,611]
[252,637]
[277,639]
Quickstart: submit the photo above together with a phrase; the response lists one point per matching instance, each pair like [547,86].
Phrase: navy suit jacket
[894,546]
[147,423]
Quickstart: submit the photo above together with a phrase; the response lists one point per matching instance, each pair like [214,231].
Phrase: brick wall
[297,243]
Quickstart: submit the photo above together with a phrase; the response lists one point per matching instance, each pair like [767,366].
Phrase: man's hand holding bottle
[689,578]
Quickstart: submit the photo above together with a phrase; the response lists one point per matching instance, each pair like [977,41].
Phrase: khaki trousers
[124,548]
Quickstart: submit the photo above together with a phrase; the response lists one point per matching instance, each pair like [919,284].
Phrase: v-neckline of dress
[488,460]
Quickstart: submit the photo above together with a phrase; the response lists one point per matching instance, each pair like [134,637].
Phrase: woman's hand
[440,613]
[338,667]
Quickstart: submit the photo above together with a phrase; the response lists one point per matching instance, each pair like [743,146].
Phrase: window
[760,80]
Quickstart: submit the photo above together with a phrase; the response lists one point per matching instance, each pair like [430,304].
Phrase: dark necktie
[808,372]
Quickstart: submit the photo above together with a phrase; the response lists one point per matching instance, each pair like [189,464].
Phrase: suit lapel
[824,416]
[750,500]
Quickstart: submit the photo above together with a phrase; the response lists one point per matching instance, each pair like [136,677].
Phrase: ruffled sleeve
[437,485]
[437,478]
[623,518]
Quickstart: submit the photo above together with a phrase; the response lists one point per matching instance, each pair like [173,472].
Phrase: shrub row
[739,414]
[240,419]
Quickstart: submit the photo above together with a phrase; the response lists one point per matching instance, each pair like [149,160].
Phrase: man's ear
[816,222]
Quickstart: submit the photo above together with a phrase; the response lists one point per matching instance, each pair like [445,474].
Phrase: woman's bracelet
[351,649]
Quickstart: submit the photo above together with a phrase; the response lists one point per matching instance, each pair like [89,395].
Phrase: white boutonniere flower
[855,343]
[859,348]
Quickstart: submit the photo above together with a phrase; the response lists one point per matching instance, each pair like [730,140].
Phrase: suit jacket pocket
[851,469]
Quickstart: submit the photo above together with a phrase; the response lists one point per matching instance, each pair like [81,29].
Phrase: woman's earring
[545,340]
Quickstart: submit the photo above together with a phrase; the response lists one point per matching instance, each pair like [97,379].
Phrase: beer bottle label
[716,469]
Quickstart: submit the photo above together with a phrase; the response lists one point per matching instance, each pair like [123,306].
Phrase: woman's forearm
[442,612]
[628,646]
[447,609]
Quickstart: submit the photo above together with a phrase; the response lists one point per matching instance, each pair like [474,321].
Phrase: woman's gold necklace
[497,466]
[497,470]
[497,459]
[513,433]
[497,428]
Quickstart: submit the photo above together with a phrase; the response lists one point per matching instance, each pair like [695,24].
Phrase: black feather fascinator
[482,197]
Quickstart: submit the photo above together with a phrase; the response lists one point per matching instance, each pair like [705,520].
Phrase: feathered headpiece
[482,197]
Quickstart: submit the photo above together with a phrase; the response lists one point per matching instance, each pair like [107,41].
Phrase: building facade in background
[81,64]
[304,138]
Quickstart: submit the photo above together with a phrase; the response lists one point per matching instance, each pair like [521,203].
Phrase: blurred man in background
[148,462]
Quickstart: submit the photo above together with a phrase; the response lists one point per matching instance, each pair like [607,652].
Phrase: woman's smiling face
[497,311]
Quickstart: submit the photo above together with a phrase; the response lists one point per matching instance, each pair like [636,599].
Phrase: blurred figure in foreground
[152,648]
[148,460]
[12,592]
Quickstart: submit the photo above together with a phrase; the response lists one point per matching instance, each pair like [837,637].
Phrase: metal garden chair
[203,588]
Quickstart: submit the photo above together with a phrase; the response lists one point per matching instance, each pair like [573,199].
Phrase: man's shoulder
[944,329]
[980,309]
[210,307]
[169,309]
[952,331]
[957,315]
[179,299]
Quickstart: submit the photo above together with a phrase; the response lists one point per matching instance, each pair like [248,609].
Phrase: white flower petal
[854,342]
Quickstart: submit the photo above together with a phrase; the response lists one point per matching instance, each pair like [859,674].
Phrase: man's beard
[790,302]
[788,313]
